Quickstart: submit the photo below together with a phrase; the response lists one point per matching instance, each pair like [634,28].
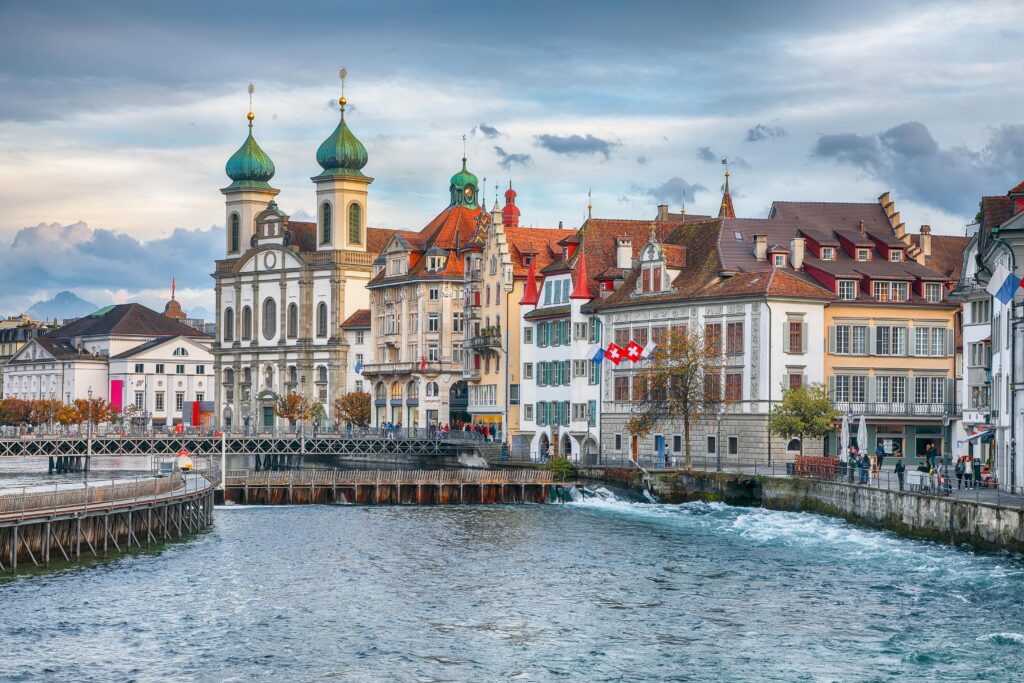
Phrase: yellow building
[891,350]
[499,258]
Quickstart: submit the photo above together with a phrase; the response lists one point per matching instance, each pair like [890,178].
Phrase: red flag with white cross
[634,351]
[614,353]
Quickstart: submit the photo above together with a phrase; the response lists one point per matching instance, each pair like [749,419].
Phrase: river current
[590,591]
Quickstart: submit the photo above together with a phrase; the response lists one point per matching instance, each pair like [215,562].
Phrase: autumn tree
[14,411]
[804,411]
[94,410]
[69,415]
[293,407]
[353,408]
[43,411]
[681,381]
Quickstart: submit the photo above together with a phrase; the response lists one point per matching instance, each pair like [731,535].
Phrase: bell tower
[341,188]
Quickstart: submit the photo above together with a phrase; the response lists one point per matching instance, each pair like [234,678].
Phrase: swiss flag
[423,362]
[614,353]
[634,351]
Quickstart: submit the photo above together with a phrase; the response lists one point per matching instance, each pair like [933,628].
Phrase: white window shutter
[803,337]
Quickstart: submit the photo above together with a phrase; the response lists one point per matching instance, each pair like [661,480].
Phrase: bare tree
[681,381]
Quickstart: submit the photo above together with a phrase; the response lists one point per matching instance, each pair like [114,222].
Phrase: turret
[510,214]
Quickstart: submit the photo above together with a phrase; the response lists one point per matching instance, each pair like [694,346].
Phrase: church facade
[285,287]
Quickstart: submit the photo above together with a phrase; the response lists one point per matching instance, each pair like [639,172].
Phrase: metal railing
[299,431]
[897,409]
[349,477]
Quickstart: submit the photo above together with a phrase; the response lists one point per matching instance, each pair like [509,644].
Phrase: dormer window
[527,259]
[435,263]
[863,254]
[565,253]
[828,253]
[847,289]
[652,279]
[779,260]
[896,255]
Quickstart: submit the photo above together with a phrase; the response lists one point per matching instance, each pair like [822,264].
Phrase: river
[591,591]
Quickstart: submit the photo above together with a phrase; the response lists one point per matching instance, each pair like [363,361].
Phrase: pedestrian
[931,454]
[959,472]
[880,454]
[865,467]
[969,472]
[900,472]
[852,462]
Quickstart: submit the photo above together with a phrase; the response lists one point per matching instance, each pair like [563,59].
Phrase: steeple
[464,187]
[726,210]
[341,154]
[510,214]
[249,167]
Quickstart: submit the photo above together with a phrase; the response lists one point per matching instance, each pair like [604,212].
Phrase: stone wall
[751,430]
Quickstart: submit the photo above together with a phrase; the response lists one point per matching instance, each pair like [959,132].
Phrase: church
[284,288]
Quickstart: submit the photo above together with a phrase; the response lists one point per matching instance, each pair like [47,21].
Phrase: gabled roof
[541,243]
[831,216]
[59,348]
[947,255]
[126,319]
[995,211]
[152,344]
[361,318]
[451,227]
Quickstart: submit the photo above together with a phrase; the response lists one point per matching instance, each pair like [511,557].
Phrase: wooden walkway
[389,487]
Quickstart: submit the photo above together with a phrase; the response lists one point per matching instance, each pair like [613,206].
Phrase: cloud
[764,132]
[485,130]
[706,155]
[642,160]
[49,257]
[508,159]
[671,191]
[908,159]
[575,145]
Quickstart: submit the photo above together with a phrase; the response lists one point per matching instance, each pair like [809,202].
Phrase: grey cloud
[706,155]
[486,131]
[671,191]
[508,159]
[52,257]
[575,145]
[907,159]
[642,160]
[763,132]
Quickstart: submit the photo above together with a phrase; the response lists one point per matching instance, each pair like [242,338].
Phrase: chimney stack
[662,212]
[760,247]
[624,253]
[926,240]
[860,226]
[796,248]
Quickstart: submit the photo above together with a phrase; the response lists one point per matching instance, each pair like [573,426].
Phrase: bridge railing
[409,433]
[31,499]
[349,477]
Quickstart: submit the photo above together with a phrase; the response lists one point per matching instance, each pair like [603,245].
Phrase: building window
[796,380]
[779,260]
[981,311]
[269,318]
[433,353]
[895,255]
[890,341]
[734,386]
[827,254]
[229,325]
[200,369]
[842,339]
[200,396]
[360,338]
[528,370]
[159,368]
[138,399]
[618,442]
[863,254]
[595,372]
[528,335]
[159,401]
[179,369]
[246,323]
[712,337]
[179,401]
[933,292]
[734,339]
[847,289]
[293,321]
[457,321]
[434,293]
[712,444]
[236,237]
[321,319]
[734,445]
[795,337]
[355,224]
[325,229]
[140,368]
[621,385]
[433,322]
[579,368]
[528,412]
[712,387]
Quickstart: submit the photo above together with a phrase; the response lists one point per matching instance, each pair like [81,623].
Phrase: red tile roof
[361,318]
[542,243]
[995,211]
[947,255]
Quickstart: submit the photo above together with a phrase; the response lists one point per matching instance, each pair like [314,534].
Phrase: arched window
[229,376]
[180,351]
[293,321]
[229,324]
[396,391]
[379,392]
[497,288]
[355,224]
[235,236]
[321,373]
[321,319]
[246,375]
[414,390]
[293,374]
[431,388]
[325,223]
[269,318]
[494,265]
[246,323]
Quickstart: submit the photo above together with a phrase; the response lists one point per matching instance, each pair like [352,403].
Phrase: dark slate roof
[831,216]
[995,211]
[126,319]
[145,347]
[60,348]
[548,312]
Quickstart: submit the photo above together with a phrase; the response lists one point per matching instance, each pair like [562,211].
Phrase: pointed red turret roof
[530,293]
[510,214]
[582,288]
[726,210]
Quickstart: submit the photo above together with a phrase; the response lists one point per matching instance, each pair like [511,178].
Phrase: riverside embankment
[946,519]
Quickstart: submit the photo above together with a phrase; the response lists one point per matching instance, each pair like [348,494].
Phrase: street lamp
[720,408]
[88,426]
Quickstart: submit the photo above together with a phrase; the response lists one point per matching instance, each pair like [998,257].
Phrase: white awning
[977,436]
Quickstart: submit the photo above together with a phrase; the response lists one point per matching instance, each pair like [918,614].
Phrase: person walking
[959,472]
[900,472]
[865,467]
[880,455]
[969,472]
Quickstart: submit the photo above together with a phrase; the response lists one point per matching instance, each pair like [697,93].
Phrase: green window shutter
[538,413]
[566,372]
[592,417]
[832,339]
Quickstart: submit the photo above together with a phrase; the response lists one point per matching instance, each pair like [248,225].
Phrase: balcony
[484,341]
[410,368]
[930,410]
[472,374]
[966,287]
[475,275]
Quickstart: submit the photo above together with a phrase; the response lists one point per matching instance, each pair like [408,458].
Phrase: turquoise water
[594,591]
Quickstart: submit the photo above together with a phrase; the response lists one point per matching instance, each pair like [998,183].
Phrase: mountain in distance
[200,313]
[62,306]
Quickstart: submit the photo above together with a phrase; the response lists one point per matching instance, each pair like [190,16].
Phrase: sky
[118,117]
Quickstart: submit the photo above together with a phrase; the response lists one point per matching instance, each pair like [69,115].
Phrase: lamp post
[88,425]
[718,436]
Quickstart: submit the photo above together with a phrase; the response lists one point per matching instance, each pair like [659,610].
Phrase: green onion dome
[464,188]
[250,166]
[341,153]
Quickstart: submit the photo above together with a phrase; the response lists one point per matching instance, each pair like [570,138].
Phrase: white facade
[360,352]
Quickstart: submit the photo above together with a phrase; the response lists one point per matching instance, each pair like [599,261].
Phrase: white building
[284,287]
[127,354]
[356,330]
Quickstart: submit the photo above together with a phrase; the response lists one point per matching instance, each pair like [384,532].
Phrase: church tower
[341,188]
[249,169]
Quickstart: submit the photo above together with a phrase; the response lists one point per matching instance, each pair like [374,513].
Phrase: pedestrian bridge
[393,445]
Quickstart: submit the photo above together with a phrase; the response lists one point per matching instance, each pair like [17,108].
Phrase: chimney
[760,247]
[860,226]
[624,253]
[662,212]
[559,225]
[926,240]
[796,249]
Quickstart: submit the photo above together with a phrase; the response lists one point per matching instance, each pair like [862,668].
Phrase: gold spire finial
[250,115]
[590,204]
[342,74]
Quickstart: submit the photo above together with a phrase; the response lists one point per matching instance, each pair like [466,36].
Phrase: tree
[14,411]
[353,408]
[681,381]
[129,413]
[69,415]
[317,412]
[804,411]
[293,407]
[94,410]
[43,411]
